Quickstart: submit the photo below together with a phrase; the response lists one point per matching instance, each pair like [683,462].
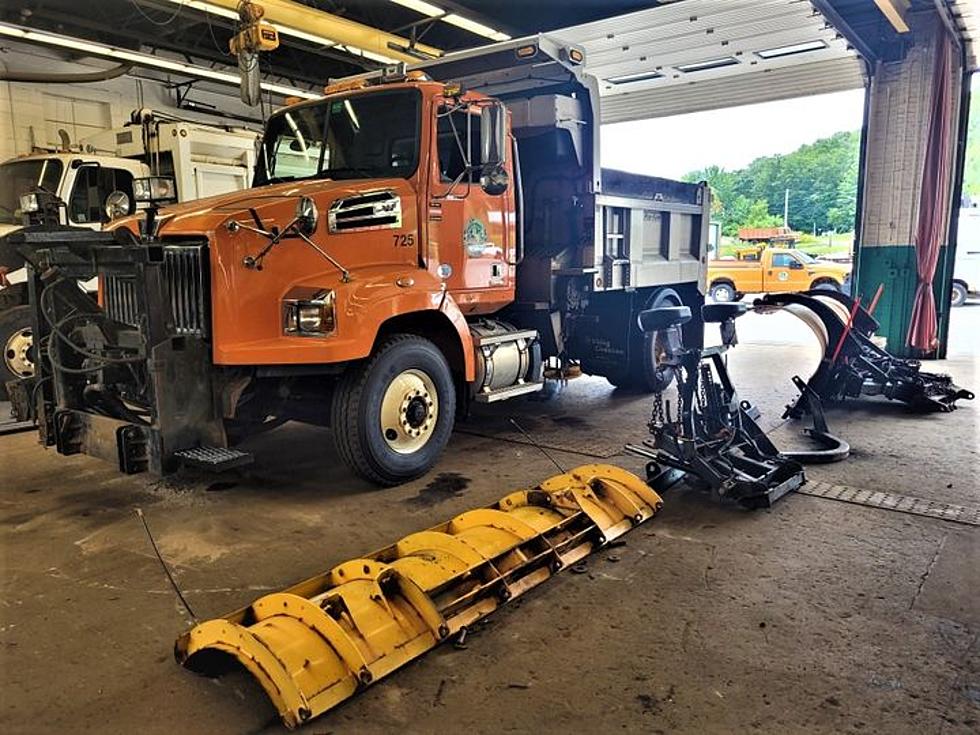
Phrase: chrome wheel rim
[17,353]
[409,411]
[723,294]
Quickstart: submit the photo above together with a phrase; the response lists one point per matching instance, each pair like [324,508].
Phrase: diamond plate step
[892,501]
[214,459]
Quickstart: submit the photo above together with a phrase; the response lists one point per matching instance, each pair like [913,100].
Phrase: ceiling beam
[345,32]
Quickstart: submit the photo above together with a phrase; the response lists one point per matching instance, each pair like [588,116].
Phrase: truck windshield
[362,136]
[19,177]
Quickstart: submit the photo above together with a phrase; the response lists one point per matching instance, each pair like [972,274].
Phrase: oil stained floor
[817,616]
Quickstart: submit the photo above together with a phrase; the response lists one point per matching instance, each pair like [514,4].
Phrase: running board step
[213,459]
[317,643]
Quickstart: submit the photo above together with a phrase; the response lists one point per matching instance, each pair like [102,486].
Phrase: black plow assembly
[853,364]
[713,440]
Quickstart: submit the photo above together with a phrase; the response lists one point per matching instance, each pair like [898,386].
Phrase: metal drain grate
[891,501]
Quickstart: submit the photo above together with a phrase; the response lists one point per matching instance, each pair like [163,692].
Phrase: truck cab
[772,270]
[415,241]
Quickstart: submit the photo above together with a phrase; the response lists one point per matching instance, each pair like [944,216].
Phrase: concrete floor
[816,616]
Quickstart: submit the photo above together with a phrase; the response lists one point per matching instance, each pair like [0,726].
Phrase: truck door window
[451,133]
[782,260]
[92,185]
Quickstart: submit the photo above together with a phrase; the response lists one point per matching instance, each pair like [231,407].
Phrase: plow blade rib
[313,645]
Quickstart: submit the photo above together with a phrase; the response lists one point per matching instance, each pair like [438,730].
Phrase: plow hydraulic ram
[315,644]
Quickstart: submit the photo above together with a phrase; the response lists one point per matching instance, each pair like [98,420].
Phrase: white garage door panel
[663,42]
[746,89]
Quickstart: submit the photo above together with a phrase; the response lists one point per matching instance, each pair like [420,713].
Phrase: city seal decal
[476,240]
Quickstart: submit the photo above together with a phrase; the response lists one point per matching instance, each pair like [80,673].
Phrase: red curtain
[933,199]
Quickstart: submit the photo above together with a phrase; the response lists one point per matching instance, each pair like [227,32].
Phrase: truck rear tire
[645,371]
[723,292]
[16,338]
[392,414]
[959,294]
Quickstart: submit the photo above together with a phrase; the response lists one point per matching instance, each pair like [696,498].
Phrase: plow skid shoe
[317,643]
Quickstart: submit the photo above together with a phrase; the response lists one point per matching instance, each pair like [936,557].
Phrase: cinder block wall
[901,98]
[32,114]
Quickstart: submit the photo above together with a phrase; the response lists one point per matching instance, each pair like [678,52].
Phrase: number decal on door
[405,241]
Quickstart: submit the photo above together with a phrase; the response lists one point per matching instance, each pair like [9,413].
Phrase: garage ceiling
[702,54]
[653,58]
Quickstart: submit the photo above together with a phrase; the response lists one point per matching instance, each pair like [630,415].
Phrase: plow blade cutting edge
[317,643]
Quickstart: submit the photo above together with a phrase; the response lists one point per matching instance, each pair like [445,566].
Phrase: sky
[731,138]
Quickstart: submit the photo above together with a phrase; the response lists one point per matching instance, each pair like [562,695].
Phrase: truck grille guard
[319,642]
[128,381]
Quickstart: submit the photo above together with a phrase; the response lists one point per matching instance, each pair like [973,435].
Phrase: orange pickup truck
[776,270]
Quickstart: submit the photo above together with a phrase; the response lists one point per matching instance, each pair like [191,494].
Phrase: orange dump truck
[772,270]
[414,241]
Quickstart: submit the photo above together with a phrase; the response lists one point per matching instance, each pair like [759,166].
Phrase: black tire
[826,286]
[13,325]
[960,294]
[357,404]
[723,292]
[644,374]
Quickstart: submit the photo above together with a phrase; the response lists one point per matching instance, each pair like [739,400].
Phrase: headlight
[116,205]
[308,312]
[155,190]
[29,203]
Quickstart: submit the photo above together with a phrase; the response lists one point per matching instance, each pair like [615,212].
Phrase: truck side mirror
[493,136]
[493,149]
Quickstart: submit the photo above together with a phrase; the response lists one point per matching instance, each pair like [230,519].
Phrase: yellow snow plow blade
[315,644]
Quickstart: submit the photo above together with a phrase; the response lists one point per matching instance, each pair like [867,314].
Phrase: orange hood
[275,204]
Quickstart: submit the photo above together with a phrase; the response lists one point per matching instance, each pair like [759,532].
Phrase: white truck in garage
[95,183]
[966,268]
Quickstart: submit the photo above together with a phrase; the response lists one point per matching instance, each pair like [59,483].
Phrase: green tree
[821,178]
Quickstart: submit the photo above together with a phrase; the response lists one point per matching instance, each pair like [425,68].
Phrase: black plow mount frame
[133,393]
[852,364]
[714,440]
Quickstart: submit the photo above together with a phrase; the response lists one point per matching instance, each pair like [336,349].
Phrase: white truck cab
[966,267]
[95,182]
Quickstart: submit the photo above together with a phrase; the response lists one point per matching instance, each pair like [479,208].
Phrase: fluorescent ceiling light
[145,60]
[211,8]
[420,6]
[473,27]
[455,19]
[705,65]
[641,76]
[796,48]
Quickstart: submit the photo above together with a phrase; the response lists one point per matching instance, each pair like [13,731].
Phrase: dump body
[414,241]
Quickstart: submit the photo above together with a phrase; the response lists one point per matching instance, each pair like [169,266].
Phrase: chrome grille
[374,211]
[120,299]
[183,271]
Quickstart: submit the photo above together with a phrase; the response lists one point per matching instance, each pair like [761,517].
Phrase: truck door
[785,273]
[467,227]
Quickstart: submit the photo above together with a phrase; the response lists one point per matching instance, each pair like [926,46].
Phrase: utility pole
[786,209]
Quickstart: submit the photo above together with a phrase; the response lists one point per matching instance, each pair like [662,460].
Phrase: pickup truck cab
[776,270]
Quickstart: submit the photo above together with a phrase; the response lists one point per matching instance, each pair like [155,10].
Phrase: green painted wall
[895,267]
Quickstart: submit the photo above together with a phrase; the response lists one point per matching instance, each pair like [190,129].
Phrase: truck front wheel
[16,338]
[392,415]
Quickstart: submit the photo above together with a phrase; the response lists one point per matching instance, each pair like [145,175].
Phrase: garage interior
[849,605]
